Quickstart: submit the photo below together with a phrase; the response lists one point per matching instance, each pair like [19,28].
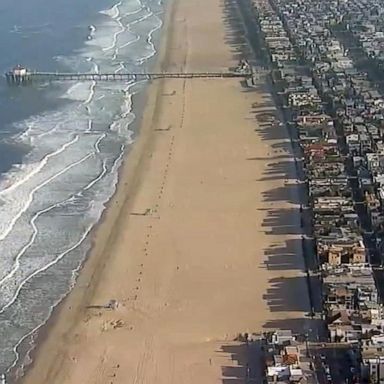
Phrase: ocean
[61,145]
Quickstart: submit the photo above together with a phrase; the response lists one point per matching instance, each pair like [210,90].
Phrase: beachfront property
[336,111]
[286,359]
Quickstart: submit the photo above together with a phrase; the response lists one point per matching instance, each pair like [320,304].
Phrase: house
[343,253]
[282,336]
[372,363]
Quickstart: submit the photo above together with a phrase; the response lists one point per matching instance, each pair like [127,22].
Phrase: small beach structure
[112,304]
[18,75]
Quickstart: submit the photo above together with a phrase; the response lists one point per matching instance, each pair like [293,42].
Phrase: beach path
[201,244]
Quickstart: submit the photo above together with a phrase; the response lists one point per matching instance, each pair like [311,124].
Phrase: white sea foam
[121,29]
[58,258]
[119,68]
[141,19]
[97,213]
[112,12]
[72,167]
[34,171]
[20,254]
[134,40]
[102,174]
[78,92]
[152,51]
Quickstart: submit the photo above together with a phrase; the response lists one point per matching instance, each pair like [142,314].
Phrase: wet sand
[202,239]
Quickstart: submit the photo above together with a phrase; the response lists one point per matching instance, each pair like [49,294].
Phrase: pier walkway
[30,77]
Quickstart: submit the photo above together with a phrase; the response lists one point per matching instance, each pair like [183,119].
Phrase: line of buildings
[286,359]
[337,113]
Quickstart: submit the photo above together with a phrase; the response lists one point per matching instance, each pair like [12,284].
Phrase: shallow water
[62,146]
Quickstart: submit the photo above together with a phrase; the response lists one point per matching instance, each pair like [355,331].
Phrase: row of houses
[280,47]
[286,359]
[338,115]
[364,20]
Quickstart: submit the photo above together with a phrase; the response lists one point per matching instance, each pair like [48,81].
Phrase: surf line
[17,260]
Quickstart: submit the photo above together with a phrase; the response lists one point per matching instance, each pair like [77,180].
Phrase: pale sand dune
[219,253]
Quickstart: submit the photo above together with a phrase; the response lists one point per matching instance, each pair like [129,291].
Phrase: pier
[22,76]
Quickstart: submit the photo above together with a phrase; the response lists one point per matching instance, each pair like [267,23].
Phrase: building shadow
[248,365]
[238,354]
[290,192]
[242,33]
[282,222]
[279,170]
[282,257]
[287,294]
[234,31]
[293,292]
[298,325]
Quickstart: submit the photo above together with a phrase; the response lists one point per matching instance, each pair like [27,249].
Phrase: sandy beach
[201,241]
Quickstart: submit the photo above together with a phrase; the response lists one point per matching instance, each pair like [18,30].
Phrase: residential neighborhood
[326,61]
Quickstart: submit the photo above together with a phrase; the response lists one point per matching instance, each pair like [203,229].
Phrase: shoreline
[89,267]
[222,221]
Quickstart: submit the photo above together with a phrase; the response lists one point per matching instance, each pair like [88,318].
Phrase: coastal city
[326,62]
[192,192]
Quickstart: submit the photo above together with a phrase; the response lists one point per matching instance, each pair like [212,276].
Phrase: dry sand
[218,254]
